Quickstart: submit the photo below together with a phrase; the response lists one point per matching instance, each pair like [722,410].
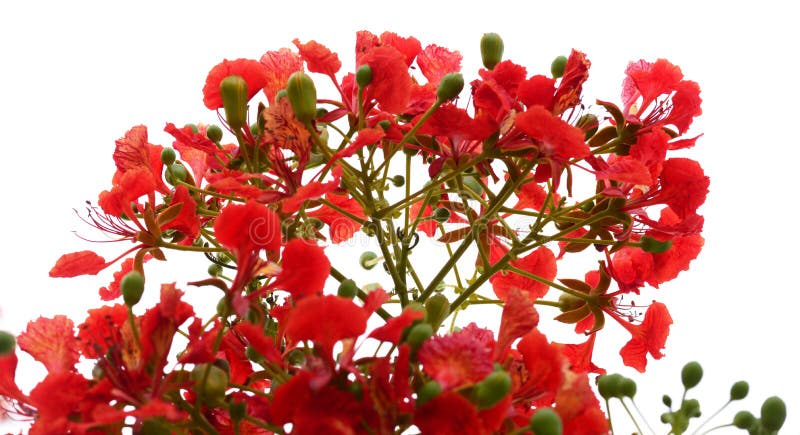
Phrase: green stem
[635,423]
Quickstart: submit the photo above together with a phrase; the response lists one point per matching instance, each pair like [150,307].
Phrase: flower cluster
[401,152]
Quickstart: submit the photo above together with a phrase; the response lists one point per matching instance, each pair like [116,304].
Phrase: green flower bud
[491,50]
[450,86]
[492,389]
[132,287]
[168,156]
[214,269]
[177,172]
[441,215]
[428,391]
[363,76]
[588,123]
[739,390]
[214,133]
[546,422]
[211,382]
[368,260]
[7,343]
[773,413]
[398,180]
[557,67]
[437,308]
[418,334]
[691,374]
[296,357]
[744,420]
[609,385]
[384,124]
[347,289]
[302,96]
[667,401]
[233,90]
[627,387]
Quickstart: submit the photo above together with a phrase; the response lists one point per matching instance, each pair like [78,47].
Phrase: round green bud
[739,390]
[384,124]
[214,132]
[363,76]
[7,343]
[428,391]
[557,67]
[418,334]
[492,389]
[368,260]
[546,422]
[347,289]
[437,308]
[627,387]
[568,302]
[214,269]
[773,413]
[177,172]
[224,308]
[302,96]
[224,365]
[667,401]
[491,50]
[132,287]
[441,215]
[450,86]
[398,180]
[211,382]
[691,374]
[744,420]
[168,156]
[233,90]
[296,357]
[609,385]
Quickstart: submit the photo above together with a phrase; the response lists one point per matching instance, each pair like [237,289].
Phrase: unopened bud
[132,287]
[418,334]
[214,133]
[210,381]
[168,156]
[546,422]
[233,90]
[363,76]
[558,66]
[450,86]
[302,96]
[739,390]
[609,385]
[691,374]
[7,343]
[773,413]
[398,180]
[492,389]
[428,391]
[347,289]
[491,50]
[437,308]
[441,215]
[627,387]
[368,260]
[744,420]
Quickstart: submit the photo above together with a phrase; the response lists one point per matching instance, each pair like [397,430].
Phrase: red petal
[409,46]
[252,71]
[305,269]
[8,370]
[580,356]
[101,329]
[435,62]
[393,329]
[544,363]
[341,227]
[279,65]
[391,84]
[648,337]
[78,263]
[312,190]
[187,221]
[113,291]
[51,342]
[626,170]
[518,318]
[540,262]
[576,72]
[263,344]
[318,57]
[537,90]
[243,228]
[683,185]
[448,413]
[649,80]
[325,320]
[57,396]
[558,139]
[579,408]
[632,267]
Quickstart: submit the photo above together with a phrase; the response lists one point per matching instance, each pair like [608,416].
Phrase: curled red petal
[51,342]
[649,337]
[558,139]
[279,65]
[78,263]
[435,62]
[393,329]
[626,170]
[319,58]
[253,72]
[305,269]
[325,320]
[518,318]
[391,83]
[540,262]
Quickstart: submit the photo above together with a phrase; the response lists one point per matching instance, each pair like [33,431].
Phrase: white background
[76,75]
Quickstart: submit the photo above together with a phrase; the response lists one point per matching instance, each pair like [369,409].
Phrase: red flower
[341,228]
[685,248]
[457,359]
[391,84]
[576,72]
[435,62]
[556,138]
[537,90]
[253,72]
[648,337]
[579,408]
[102,329]
[544,364]
[518,318]
[245,228]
